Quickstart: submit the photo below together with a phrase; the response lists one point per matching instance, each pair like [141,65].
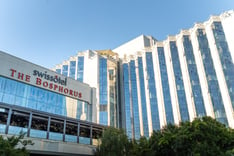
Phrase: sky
[46,32]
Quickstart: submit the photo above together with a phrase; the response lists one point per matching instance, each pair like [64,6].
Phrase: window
[58,71]
[19,119]
[84,131]
[3,115]
[39,123]
[96,133]
[71,128]
[56,126]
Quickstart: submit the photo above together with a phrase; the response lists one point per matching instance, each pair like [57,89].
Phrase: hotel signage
[46,81]
[32,74]
[55,79]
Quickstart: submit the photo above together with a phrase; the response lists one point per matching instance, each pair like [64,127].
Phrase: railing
[14,119]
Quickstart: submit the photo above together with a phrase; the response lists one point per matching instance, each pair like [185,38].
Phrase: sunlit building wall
[99,70]
[44,104]
[186,76]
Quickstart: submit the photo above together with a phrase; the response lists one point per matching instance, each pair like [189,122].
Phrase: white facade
[186,76]
[137,44]
[136,48]
[20,70]
[91,73]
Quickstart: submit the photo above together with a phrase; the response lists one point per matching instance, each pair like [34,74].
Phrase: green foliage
[14,145]
[113,143]
[140,147]
[202,137]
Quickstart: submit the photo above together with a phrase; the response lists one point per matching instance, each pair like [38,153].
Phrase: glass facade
[143,97]
[106,84]
[16,93]
[58,71]
[137,107]
[165,86]
[225,58]
[65,70]
[179,82]
[80,68]
[112,96]
[212,81]
[127,105]
[134,99]
[47,126]
[152,91]
[82,112]
[194,79]
[72,72]
[103,114]
[3,119]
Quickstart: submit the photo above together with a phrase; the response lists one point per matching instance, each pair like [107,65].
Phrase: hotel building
[140,86]
[99,69]
[146,84]
[45,105]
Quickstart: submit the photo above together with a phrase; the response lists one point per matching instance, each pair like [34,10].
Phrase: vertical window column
[152,91]
[128,121]
[211,77]
[80,68]
[225,58]
[103,114]
[143,98]
[134,99]
[179,82]
[65,70]
[165,86]
[193,77]
[72,70]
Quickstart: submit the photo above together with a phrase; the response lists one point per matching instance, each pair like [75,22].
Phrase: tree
[140,147]
[203,136]
[114,142]
[14,145]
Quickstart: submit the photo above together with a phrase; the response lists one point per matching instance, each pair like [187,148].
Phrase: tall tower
[186,76]
[145,84]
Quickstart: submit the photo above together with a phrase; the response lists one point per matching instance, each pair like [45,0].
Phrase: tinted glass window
[19,119]
[71,128]
[56,126]
[3,115]
[39,123]
[84,131]
[96,133]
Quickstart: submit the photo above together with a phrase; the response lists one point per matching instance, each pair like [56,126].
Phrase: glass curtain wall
[194,79]
[80,68]
[128,122]
[16,93]
[65,70]
[211,77]
[143,98]
[179,82]
[225,57]
[165,86]
[103,114]
[112,95]
[134,99]
[152,91]
[72,72]
[58,71]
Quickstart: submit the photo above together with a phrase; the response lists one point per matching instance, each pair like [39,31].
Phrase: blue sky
[46,32]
